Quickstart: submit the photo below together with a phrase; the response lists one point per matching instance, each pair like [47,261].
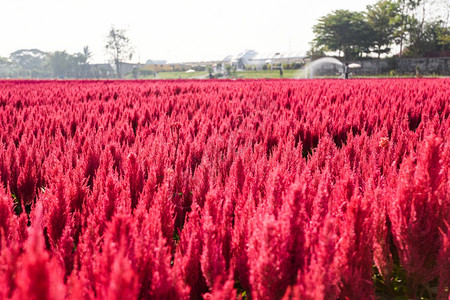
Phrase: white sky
[173,30]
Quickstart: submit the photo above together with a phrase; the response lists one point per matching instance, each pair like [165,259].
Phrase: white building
[156,62]
[250,58]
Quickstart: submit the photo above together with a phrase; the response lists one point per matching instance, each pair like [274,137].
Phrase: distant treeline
[417,27]
[34,63]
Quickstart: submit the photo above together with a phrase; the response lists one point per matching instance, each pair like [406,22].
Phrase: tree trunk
[117,68]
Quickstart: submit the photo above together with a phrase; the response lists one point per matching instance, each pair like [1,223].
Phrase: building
[153,62]
[252,59]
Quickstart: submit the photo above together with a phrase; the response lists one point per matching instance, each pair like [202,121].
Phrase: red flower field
[264,189]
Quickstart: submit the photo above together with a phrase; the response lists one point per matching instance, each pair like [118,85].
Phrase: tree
[344,31]
[382,18]
[430,39]
[61,63]
[5,67]
[421,25]
[30,62]
[405,21]
[430,28]
[118,47]
[444,31]
[315,50]
[81,60]
[444,38]
[87,55]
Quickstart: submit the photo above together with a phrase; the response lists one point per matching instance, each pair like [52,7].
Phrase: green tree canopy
[382,18]
[432,38]
[29,63]
[64,64]
[429,29]
[405,21]
[60,63]
[344,31]
[29,58]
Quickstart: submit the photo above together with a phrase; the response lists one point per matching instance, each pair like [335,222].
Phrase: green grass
[268,74]
[240,74]
[177,75]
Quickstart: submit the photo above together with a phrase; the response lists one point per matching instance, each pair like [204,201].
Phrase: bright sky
[173,30]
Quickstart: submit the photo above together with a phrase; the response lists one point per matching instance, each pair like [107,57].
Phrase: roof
[253,55]
[156,62]
[279,55]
